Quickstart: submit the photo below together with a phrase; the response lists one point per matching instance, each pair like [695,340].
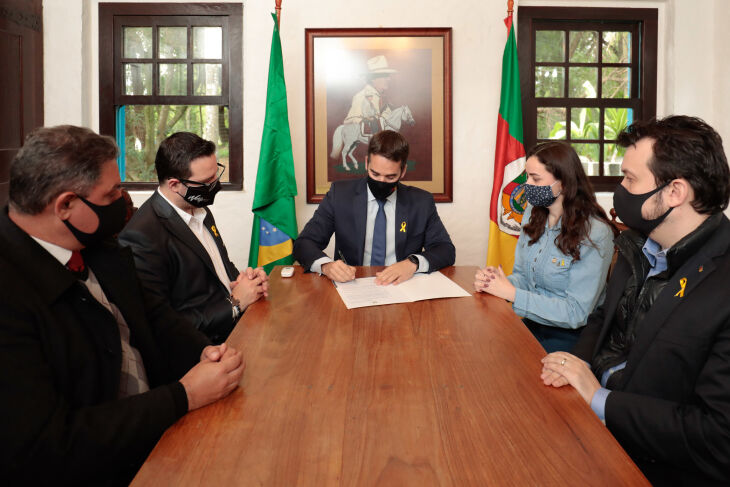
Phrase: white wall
[692,79]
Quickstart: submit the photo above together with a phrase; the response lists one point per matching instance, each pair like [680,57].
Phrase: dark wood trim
[21,80]
[113,16]
[311,34]
[203,9]
[235,95]
[586,13]
[170,100]
[106,69]
[312,197]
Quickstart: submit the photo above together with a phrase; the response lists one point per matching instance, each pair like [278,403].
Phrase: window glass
[147,125]
[550,46]
[137,42]
[207,42]
[173,42]
[551,123]
[549,81]
[583,82]
[616,47]
[616,82]
[138,78]
[588,155]
[173,79]
[207,79]
[583,47]
[584,123]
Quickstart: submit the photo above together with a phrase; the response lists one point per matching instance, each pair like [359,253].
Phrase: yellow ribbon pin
[683,284]
[403,227]
[214,230]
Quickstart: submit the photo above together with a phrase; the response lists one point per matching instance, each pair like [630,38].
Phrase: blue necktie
[377,256]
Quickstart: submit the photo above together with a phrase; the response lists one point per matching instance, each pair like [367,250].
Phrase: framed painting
[360,81]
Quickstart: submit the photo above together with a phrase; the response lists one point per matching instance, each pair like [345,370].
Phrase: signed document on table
[364,292]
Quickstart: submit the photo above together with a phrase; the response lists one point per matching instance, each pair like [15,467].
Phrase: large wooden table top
[440,392]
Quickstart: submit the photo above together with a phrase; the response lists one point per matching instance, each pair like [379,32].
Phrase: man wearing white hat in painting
[367,104]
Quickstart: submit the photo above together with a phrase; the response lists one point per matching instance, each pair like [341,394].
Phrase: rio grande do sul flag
[508,196]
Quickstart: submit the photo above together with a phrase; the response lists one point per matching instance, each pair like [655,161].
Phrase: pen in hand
[339,272]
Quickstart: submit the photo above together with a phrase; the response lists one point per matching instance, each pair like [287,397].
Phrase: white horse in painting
[347,136]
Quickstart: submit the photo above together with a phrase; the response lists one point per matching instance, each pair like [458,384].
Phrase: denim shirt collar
[656,256]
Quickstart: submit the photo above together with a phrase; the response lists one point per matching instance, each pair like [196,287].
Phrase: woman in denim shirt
[563,252]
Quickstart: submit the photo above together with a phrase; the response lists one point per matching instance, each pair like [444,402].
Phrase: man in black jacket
[178,249]
[654,359]
[92,371]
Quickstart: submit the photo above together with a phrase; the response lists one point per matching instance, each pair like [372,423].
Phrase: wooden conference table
[441,392]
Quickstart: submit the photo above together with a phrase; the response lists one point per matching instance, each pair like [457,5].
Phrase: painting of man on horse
[369,113]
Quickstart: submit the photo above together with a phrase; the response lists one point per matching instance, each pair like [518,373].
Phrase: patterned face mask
[540,195]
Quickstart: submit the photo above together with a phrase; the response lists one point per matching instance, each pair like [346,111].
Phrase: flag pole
[278,12]
[510,7]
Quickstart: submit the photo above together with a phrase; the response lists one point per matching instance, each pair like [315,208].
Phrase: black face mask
[200,196]
[111,220]
[381,189]
[628,208]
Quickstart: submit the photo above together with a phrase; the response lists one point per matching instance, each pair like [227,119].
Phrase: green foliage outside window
[147,125]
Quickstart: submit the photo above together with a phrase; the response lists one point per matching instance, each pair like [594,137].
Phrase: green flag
[275,220]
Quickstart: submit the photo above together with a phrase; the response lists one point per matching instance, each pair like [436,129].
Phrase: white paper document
[364,292]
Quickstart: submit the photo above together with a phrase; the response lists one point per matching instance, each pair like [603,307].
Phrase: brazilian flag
[275,219]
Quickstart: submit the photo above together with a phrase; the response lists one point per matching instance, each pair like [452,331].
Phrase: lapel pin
[403,227]
[682,284]
[214,230]
[702,268]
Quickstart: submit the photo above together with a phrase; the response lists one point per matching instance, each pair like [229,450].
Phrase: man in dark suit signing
[177,246]
[377,221]
[93,372]
[654,359]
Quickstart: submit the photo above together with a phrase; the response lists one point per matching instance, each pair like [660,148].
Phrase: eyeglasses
[208,186]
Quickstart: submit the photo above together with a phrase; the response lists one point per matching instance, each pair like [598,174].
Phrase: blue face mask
[540,195]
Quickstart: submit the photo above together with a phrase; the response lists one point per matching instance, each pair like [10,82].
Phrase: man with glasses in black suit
[178,250]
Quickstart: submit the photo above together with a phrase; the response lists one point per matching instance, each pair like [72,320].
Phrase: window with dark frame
[171,67]
[585,74]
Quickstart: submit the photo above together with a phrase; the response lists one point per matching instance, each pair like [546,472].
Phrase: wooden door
[21,79]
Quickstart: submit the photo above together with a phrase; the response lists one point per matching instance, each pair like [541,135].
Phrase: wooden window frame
[112,18]
[642,22]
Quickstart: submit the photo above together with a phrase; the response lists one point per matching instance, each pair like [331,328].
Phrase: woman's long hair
[579,201]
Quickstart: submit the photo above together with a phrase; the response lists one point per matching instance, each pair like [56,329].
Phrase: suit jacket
[671,409]
[174,266]
[343,211]
[60,362]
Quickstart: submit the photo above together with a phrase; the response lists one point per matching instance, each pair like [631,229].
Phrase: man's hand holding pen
[338,270]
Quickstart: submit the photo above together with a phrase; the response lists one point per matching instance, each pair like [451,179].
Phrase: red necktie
[76,265]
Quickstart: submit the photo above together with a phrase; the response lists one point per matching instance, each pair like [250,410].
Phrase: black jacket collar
[47,275]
